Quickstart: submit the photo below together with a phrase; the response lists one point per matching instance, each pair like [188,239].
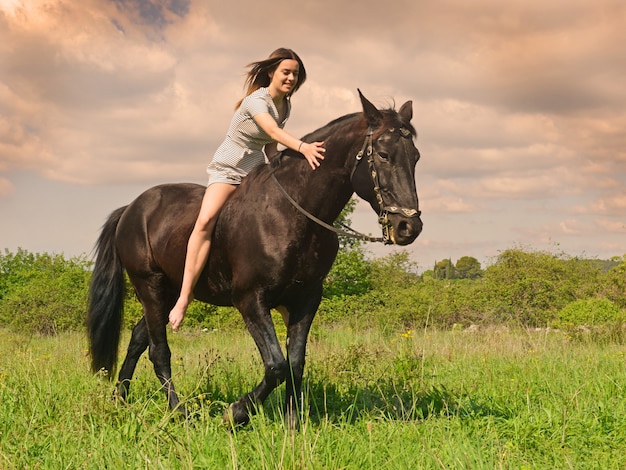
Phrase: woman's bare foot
[178,313]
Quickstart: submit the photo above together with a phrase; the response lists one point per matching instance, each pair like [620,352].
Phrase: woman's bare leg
[199,245]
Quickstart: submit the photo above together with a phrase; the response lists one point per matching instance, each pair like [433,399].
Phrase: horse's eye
[383,156]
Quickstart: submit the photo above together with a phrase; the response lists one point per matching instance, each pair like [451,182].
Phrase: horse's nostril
[405,229]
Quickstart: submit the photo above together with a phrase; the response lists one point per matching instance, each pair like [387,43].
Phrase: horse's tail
[106,299]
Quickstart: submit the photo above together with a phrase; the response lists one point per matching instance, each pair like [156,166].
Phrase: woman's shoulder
[262,93]
[257,101]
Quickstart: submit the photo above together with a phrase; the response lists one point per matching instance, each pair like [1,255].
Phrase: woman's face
[285,77]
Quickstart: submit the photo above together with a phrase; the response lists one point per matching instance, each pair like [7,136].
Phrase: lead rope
[353,234]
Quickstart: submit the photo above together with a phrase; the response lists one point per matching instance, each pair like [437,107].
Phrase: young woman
[256,126]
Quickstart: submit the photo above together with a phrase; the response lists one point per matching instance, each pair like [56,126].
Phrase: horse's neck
[327,189]
[328,193]
[324,191]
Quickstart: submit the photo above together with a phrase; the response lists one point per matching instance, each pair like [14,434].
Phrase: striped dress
[242,149]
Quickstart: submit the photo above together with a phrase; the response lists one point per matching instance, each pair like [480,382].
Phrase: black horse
[266,252]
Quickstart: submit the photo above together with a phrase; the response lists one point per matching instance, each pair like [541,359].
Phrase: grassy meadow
[484,398]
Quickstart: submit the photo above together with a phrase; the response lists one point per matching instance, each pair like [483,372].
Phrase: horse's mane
[391,118]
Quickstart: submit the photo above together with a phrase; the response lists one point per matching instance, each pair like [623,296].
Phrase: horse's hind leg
[138,343]
[156,302]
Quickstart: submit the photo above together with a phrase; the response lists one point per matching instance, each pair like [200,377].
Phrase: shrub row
[42,293]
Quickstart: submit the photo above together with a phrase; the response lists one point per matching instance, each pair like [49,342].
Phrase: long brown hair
[259,74]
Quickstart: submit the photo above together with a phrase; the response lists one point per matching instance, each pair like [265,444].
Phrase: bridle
[385,210]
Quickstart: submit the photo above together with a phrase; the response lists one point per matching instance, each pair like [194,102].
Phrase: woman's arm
[311,151]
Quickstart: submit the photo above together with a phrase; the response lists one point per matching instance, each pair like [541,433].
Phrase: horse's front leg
[259,323]
[298,321]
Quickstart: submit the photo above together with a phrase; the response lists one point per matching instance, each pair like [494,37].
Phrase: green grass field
[399,399]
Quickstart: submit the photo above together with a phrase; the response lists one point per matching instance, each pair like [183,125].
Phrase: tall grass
[401,399]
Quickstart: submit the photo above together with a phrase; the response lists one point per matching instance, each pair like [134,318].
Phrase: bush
[201,315]
[521,288]
[590,312]
[395,271]
[613,283]
[349,275]
[198,315]
[530,288]
[43,293]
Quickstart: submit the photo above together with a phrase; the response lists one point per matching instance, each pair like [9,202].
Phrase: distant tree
[444,269]
[428,274]
[468,267]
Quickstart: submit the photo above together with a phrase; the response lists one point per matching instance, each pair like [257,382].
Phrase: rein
[383,216]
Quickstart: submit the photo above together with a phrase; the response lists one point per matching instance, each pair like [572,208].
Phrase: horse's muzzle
[407,231]
[401,226]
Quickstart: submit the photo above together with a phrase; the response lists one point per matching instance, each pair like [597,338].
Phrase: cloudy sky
[520,108]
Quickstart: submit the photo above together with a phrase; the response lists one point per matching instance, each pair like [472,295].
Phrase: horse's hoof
[181,411]
[235,416]
[119,395]
[121,391]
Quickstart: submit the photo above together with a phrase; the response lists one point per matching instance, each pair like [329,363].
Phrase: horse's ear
[373,115]
[406,111]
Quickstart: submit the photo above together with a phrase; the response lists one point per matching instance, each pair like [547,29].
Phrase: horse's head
[384,174]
